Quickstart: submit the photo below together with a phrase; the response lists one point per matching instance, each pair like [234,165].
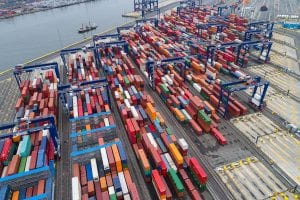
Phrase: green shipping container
[197,183]
[224,71]
[168,131]
[113,197]
[126,81]
[11,153]
[204,116]
[164,88]
[22,164]
[175,179]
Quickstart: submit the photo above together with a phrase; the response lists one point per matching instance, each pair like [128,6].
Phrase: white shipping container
[134,112]
[169,79]
[183,144]
[46,133]
[123,183]
[197,87]
[186,114]
[257,97]
[189,77]
[94,169]
[104,159]
[75,112]
[117,96]
[19,147]
[127,95]
[163,79]
[106,122]
[4,172]
[111,190]
[27,165]
[152,140]
[127,104]
[34,83]
[82,71]
[127,197]
[76,189]
[255,101]
[170,161]
[91,77]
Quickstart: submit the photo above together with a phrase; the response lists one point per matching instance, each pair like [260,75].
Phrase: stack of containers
[24,153]
[81,67]
[156,148]
[104,176]
[234,32]
[38,97]
[177,96]
[88,102]
[85,131]
[41,187]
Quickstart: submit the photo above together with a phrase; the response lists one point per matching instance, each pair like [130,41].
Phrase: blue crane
[210,50]
[118,43]
[50,125]
[228,88]
[46,66]
[246,45]
[266,24]
[64,90]
[150,67]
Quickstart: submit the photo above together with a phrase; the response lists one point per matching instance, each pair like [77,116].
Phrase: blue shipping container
[89,173]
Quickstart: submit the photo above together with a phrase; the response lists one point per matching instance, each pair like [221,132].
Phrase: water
[29,36]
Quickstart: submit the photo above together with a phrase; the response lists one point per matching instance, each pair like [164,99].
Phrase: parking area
[284,38]
[278,78]
[279,145]
[250,179]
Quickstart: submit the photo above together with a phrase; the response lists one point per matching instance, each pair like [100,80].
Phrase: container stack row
[39,189]
[85,131]
[170,86]
[81,67]
[105,176]
[38,97]
[88,102]
[155,146]
[24,153]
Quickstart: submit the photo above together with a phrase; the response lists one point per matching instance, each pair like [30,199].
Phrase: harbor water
[29,36]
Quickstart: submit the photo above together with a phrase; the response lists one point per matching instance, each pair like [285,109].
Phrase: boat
[263,8]
[87,28]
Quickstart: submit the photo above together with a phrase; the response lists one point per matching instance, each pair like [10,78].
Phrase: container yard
[196,104]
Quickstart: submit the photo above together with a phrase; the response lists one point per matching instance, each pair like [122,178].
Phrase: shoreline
[43,9]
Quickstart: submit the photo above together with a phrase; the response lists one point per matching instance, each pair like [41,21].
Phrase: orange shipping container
[117,157]
[144,159]
[179,115]
[103,184]
[41,187]
[15,195]
[160,118]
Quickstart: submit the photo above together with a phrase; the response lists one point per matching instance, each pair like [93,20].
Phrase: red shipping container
[5,150]
[91,189]
[195,195]
[198,170]
[33,159]
[13,165]
[195,127]
[105,195]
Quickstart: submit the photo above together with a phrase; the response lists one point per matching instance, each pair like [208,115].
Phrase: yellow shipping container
[151,111]
[162,121]
[117,158]
[176,154]
[179,115]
